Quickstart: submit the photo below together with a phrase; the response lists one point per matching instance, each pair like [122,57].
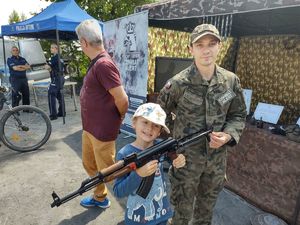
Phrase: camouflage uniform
[199,104]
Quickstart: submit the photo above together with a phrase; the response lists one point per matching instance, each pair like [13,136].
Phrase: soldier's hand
[147,169]
[179,161]
[218,139]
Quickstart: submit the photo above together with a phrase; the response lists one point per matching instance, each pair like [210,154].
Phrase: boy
[148,121]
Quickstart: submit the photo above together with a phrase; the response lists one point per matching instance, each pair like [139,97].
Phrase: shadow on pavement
[84,217]
[74,141]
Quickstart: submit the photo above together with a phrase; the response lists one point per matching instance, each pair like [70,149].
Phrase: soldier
[201,96]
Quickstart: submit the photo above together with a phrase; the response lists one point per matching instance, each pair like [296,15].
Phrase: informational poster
[126,40]
[247,96]
[268,112]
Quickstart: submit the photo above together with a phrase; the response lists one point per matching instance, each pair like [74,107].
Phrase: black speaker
[167,67]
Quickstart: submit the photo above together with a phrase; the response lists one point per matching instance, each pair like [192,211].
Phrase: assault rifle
[169,147]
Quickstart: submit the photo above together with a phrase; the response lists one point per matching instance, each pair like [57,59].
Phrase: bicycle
[23,128]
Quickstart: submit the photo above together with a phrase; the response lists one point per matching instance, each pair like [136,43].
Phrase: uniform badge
[226,97]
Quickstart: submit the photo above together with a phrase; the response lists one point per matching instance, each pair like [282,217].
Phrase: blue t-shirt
[155,208]
[16,61]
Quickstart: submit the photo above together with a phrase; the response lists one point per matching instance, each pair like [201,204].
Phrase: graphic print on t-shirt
[152,205]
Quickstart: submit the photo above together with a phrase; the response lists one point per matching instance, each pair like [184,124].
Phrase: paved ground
[27,181]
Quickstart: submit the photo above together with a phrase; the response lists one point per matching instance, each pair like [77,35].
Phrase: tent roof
[63,16]
[248,17]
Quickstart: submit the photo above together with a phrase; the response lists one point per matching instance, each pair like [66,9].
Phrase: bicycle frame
[20,125]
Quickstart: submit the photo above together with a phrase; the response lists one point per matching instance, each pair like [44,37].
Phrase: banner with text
[126,40]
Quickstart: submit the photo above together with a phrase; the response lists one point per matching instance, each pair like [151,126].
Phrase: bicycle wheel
[25,128]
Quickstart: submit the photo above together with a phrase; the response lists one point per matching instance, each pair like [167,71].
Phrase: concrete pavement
[27,181]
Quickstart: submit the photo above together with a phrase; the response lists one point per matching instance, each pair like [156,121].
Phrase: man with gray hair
[103,106]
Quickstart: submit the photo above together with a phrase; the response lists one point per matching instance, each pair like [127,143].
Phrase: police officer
[17,68]
[56,85]
[201,96]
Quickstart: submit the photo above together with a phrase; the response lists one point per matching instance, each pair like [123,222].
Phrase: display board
[167,67]
[126,40]
[268,112]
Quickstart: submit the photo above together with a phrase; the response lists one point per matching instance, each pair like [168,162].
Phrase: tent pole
[4,59]
[60,74]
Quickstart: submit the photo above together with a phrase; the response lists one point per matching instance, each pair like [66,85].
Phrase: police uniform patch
[226,97]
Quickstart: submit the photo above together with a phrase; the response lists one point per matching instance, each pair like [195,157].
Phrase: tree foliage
[14,17]
[23,17]
[103,10]
[110,9]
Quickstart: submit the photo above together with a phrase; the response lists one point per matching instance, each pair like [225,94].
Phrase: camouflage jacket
[199,104]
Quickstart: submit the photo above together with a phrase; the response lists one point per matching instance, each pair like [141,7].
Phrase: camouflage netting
[269,65]
[174,9]
[162,42]
[264,169]
[169,43]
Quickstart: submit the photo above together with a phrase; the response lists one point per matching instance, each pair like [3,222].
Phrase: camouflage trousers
[196,186]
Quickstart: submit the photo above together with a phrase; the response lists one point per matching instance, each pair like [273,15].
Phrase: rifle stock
[167,147]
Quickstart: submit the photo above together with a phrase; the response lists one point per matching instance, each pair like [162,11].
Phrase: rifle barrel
[129,164]
[194,138]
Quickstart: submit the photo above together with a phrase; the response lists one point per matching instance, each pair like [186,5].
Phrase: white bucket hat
[152,112]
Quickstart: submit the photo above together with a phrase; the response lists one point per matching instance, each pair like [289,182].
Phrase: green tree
[14,17]
[23,17]
[111,9]
[103,10]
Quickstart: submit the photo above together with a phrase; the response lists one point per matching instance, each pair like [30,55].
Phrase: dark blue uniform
[18,81]
[54,92]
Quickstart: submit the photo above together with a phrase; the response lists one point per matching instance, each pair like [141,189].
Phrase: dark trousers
[20,90]
[54,93]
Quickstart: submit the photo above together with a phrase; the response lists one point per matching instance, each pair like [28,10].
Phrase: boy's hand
[147,169]
[179,161]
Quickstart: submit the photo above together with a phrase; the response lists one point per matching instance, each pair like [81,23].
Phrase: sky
[21,6]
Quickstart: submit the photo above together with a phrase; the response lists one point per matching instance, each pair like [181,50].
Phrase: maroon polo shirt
[99,114]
